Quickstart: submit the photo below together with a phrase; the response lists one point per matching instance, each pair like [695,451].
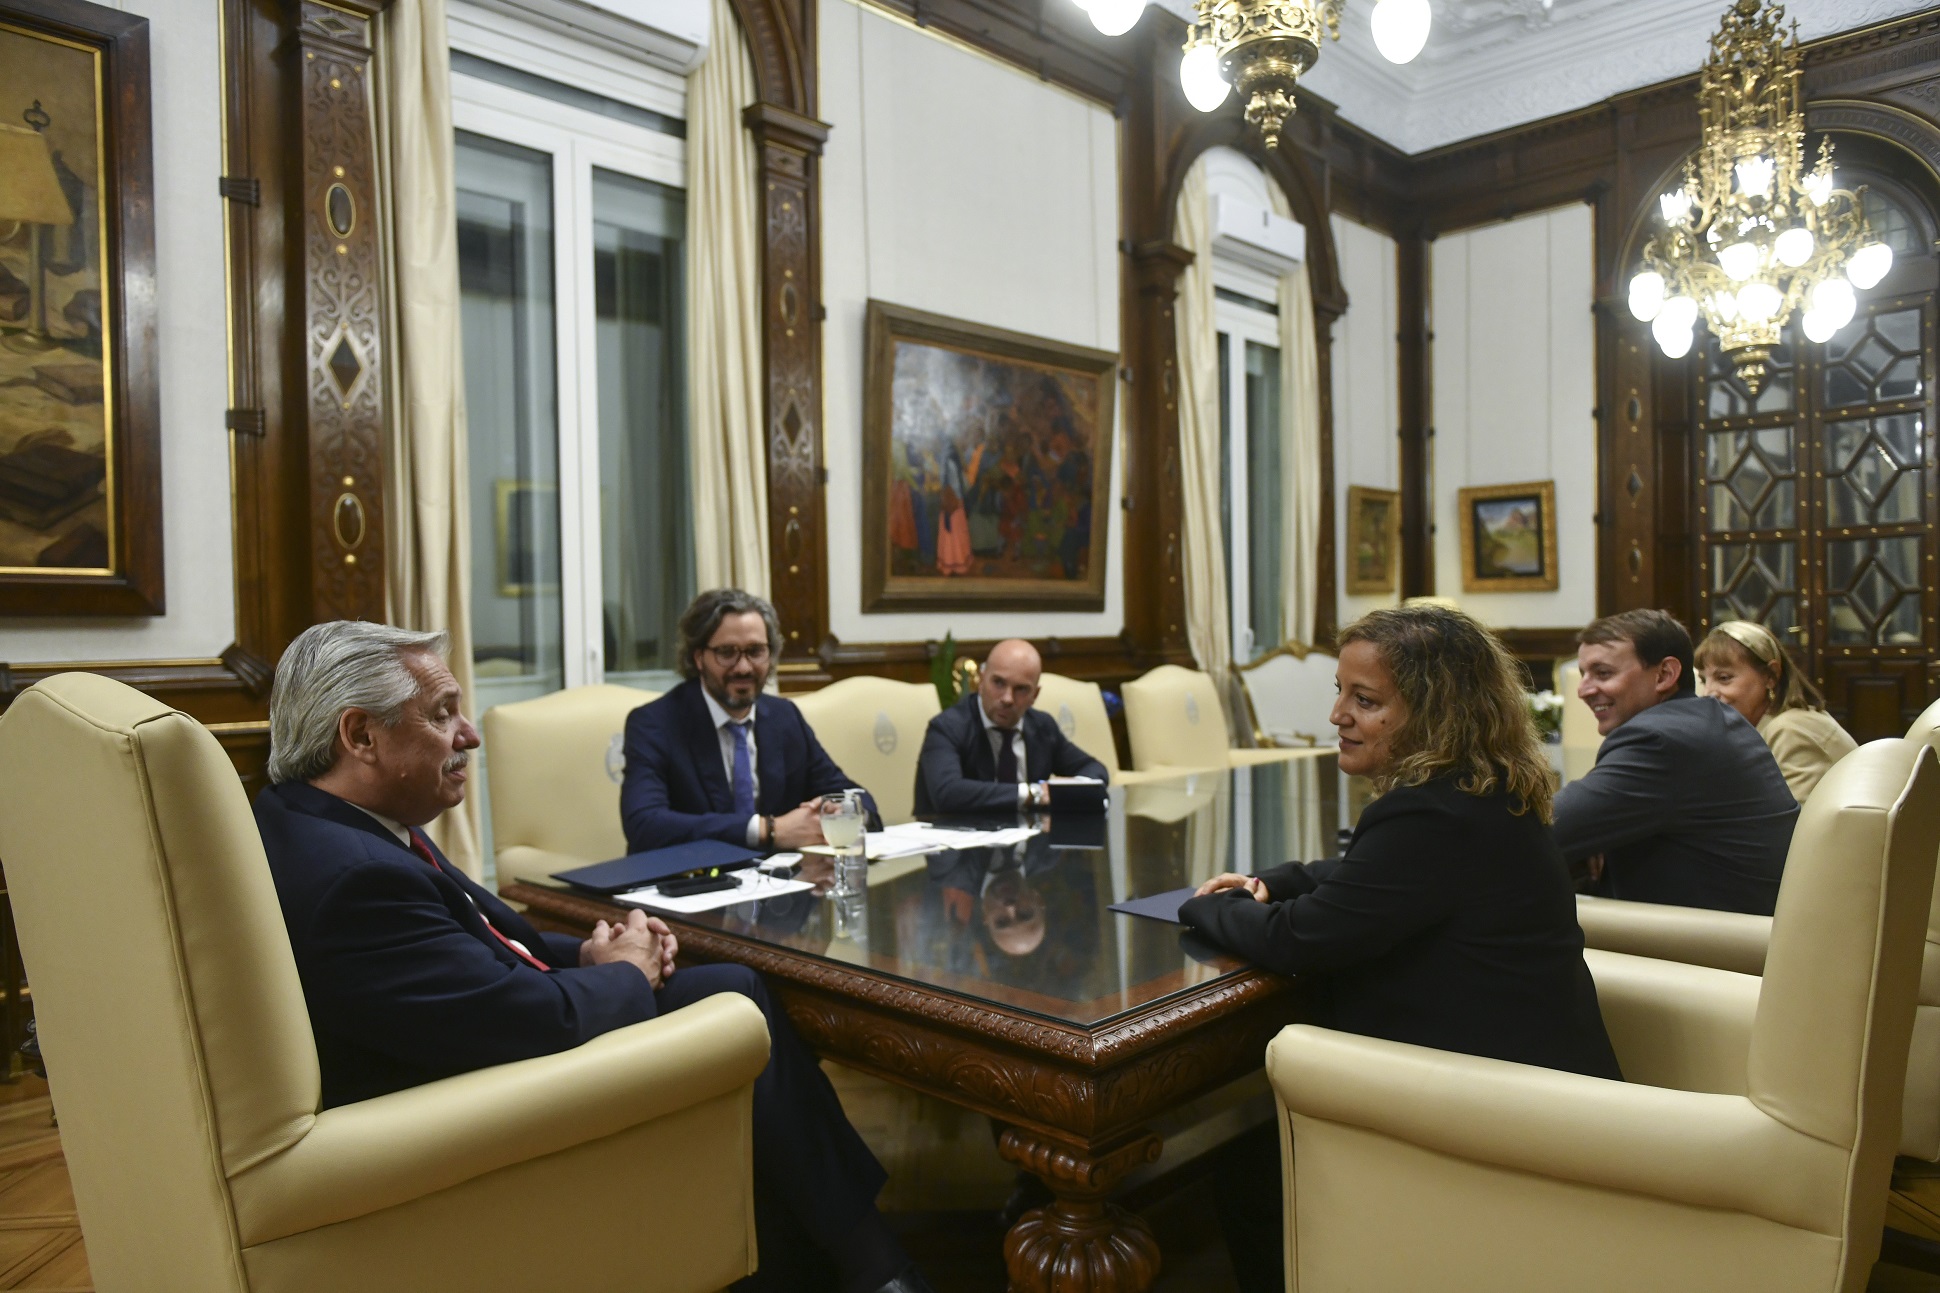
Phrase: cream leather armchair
[1581,740]
[1175,720]
[1750,1149]
[183,1067]
[1079,708]
[873,729]
[1729,940]
[554,766]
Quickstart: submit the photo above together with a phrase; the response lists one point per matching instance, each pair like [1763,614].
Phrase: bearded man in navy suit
[715,758]
[413,972]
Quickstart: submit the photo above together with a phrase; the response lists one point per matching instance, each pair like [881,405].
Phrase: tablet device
[1077,797]
[638,870]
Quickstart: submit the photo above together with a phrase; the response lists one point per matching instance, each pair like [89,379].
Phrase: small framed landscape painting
[80,472]
[1509,538]
[986,467]
[1373,539]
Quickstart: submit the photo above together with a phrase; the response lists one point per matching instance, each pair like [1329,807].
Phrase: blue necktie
[743,771]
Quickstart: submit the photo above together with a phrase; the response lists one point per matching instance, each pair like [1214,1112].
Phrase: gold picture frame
[1509,537]
[515,521]
[1373,539]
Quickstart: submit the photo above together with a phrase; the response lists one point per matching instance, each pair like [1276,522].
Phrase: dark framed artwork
[986,467]
[1509,538]
[524,511]
[80,450]
[1373,539]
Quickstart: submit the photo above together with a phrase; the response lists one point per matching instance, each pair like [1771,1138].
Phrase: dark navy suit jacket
[403,981]
[957,772]
[676,790]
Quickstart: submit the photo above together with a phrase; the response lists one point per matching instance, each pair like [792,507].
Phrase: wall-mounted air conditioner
[1255,237]
[666,33]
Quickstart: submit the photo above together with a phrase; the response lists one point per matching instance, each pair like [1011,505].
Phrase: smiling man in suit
[715,758]
[991,752]
[413,972]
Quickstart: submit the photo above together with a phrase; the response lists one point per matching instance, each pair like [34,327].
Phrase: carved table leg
[1079,1243]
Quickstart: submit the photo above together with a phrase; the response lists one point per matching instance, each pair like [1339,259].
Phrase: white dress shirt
[996,736]
[723,729]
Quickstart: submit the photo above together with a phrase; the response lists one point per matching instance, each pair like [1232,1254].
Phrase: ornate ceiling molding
[1494,64]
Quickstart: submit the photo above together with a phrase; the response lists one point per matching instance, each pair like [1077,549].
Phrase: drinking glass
[843,820]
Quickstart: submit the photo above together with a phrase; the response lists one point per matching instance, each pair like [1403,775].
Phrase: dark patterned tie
[1007,755]
[743,771]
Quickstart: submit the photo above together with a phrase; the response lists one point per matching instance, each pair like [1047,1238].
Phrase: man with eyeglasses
[715,758]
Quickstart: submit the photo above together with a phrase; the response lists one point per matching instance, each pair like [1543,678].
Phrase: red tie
[422,847]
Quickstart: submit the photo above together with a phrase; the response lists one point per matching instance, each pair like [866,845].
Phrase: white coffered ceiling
[1492,64]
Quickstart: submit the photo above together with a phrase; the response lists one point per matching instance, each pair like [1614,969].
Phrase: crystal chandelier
[1751,237]
[1263,47]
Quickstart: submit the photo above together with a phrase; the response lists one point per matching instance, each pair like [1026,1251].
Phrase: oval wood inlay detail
[790,304]
[347,520]
[791,539]
[340,209]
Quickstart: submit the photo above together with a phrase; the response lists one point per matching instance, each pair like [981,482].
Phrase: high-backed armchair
[1581,740]
[1289,694]
[1729,940]
[873,729]
[183,1067]
[1175,719]
[1761,1163]
[554,766]
[1079,708]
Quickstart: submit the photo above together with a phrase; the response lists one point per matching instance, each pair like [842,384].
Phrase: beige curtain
[1208,623]
[1300,461]
[428,578]
[729,454]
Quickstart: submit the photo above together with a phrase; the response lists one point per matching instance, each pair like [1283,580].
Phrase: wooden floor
[946,1184]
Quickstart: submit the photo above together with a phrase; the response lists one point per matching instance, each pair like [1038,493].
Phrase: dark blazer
[403,981]
[1687,806]
[676,790]
[1449,922]
[957,772]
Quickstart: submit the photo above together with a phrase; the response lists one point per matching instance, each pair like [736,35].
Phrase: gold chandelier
[1751,237]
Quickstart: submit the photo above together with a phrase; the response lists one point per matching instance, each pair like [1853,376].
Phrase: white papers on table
[750,885]
[1075,781]
[908,839]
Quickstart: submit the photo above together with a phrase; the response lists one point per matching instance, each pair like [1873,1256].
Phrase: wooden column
[791,326]
[1416,402]
[1154,515]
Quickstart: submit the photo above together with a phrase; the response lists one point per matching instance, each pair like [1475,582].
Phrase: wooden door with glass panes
[1816,497]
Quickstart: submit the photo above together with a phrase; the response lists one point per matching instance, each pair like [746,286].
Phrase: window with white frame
[572,268]
[1252,441]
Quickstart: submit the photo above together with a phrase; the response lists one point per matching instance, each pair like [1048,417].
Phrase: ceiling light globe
[1722,307]
[1755,176]
[1819,326]
[1869,265]
[1401,28]
[1739,260]
[1759,301]
[1675,206]
[1647,295]
[1115,17]
[1678,314]
[1834,298]
[1818,187]
[1674,341]
[1199,78]
[1082,4]
[1794,247]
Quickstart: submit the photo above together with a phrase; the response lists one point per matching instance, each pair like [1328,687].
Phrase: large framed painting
[1509,538]
[986,467]
[1373,539]
[80,456]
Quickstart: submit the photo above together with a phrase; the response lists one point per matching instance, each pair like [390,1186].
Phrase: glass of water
[843,820]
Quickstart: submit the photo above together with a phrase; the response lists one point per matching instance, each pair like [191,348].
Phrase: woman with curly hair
[1450,921]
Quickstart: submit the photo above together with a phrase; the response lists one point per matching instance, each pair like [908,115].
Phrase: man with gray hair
[413,972]
[715,758]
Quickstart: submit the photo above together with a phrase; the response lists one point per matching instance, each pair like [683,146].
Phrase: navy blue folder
[637,870]
[1158,906]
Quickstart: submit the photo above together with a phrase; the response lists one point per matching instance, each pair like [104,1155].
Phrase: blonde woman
[1450,921]
[1742,664]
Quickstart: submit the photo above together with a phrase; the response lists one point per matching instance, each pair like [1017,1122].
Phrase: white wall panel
[185,70]
[956,184]
[1367,388]
[1514,396]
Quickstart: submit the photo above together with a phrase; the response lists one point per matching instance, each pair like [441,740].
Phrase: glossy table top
[1027,928]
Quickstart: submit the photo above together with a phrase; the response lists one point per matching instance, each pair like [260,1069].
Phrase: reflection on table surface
[1028,926]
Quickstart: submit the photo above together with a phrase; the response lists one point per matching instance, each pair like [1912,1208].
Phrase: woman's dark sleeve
[1291,879]
[1401,877]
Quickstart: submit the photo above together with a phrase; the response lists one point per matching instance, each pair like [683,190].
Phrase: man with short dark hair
[413,972]
[991,752]
[715,758]
[1685,804]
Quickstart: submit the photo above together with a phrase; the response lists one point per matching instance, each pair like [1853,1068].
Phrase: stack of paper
[749,886]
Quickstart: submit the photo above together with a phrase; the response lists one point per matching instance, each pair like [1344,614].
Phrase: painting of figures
[987,467]
[72,431]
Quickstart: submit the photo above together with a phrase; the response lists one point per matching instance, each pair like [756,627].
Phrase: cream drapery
[1203,550]
[428,552]
[1300,456]
[728,456]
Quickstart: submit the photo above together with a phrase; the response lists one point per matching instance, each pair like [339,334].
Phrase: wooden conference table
[997,979]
